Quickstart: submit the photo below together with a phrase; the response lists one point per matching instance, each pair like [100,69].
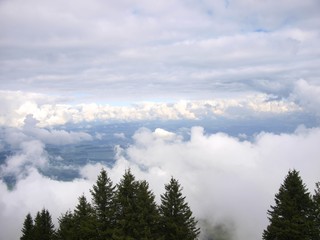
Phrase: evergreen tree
[126,208]
[66,229]
[27,230]
[102,197]
[37,226]
[177,221]
[292,216]
[43,226]
[128,212]
[84,221]
[316,199]
[147,213]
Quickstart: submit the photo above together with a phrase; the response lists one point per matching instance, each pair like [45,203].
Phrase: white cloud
[307,95]
[141,51]
[56,137]
[226,180]
[33,193]
[163,134]
[29,144]
[31,153]
[120,135]
[234,59]
[50,113]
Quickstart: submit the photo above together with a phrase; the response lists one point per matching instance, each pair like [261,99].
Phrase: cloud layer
[111,51]
[227,181]
[104,61]
[18,106]
[27,146]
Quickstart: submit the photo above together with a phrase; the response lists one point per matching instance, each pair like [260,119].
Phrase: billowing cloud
[55,137]
[33,193]
[31,153]
[228,182]
[29,144]
[104,61]
[51,113]
[28,156]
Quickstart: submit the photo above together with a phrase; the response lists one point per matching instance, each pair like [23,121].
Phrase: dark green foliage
[292,217]
[316,199]
[102,198]
[126,208]
[177,221]
[27,230]
[43,226]
[84,219]
[147,213]
[137,213]
[127,211]
[79,225]
[67,228]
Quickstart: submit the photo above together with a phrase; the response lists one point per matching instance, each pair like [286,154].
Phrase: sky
[112,61]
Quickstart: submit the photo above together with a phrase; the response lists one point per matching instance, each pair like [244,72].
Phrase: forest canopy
[126,210]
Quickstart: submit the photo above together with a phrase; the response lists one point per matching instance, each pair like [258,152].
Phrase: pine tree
[43,226]
[127,212]
[37,226]
[177,221]
[27,230]
[66,229]
[102,197]
[316,199]
[126,208]
[292,216]
[84,220]
[147,213]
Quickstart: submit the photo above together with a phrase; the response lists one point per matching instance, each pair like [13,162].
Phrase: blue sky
[244,63]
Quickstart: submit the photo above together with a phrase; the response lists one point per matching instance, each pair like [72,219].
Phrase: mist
[229,182]
[231,89]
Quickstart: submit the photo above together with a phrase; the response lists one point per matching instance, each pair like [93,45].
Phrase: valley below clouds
[222,95]
[229,181]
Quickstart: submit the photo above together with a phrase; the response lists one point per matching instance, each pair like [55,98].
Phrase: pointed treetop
[292,215]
